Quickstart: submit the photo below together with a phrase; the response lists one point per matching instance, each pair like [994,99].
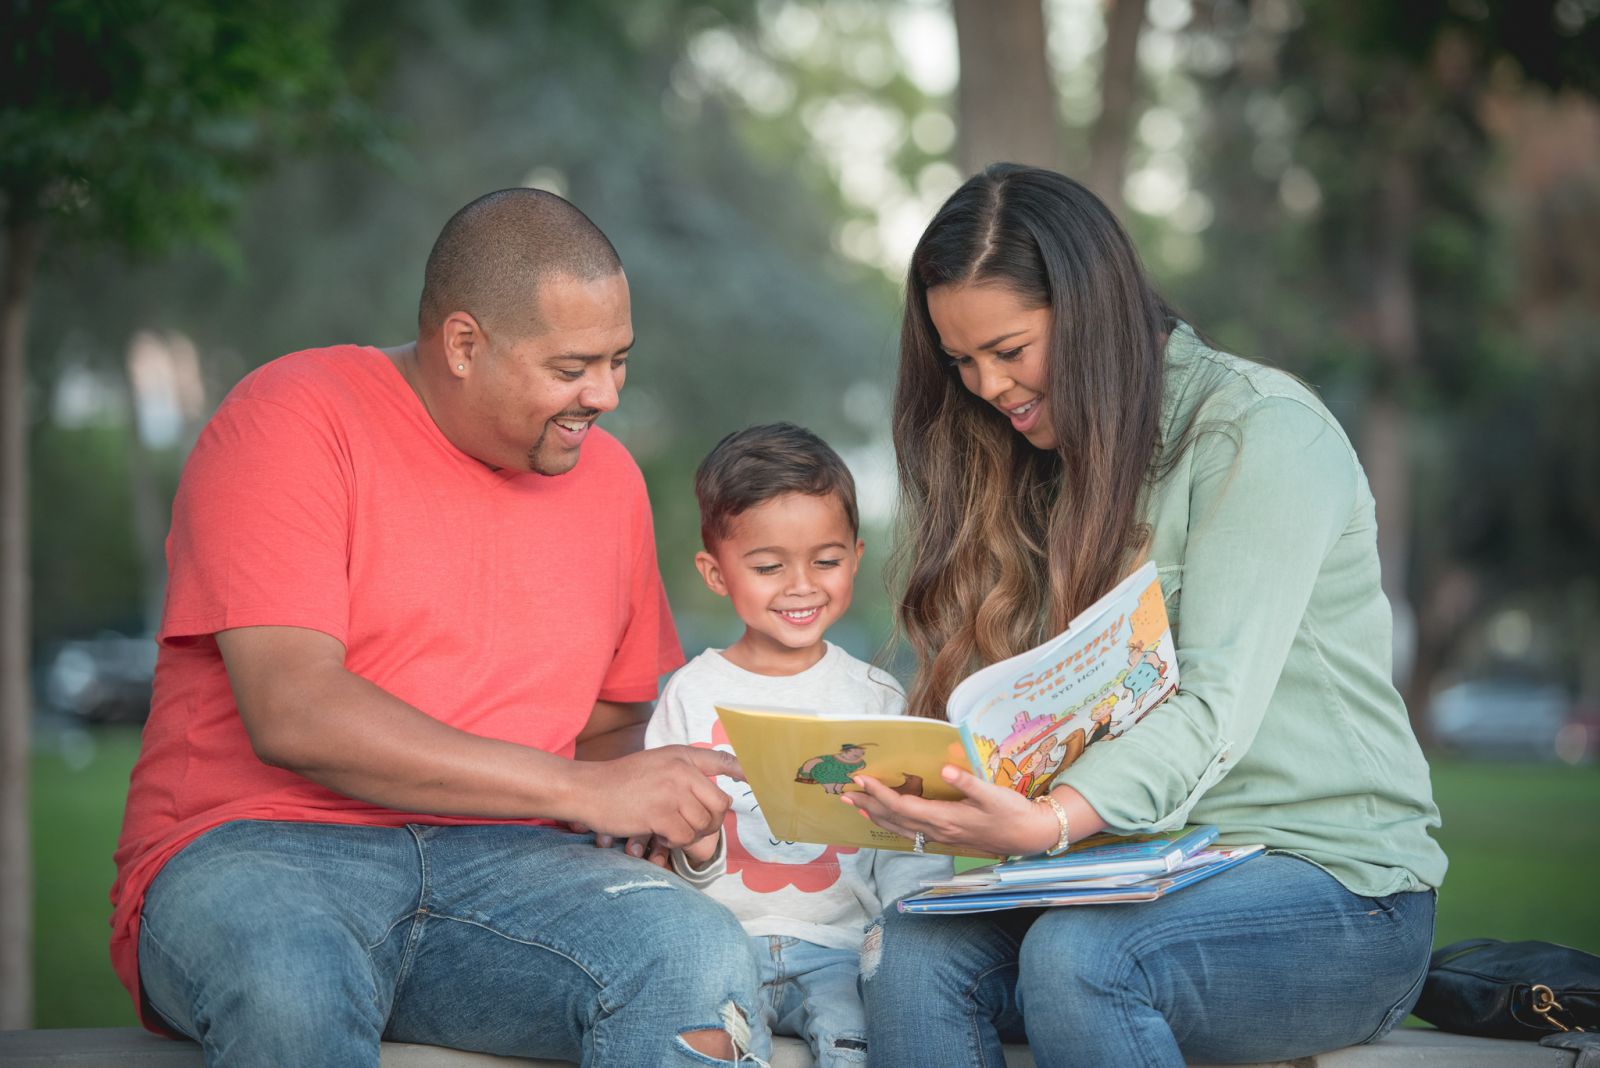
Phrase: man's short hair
[493,254]
[759,463]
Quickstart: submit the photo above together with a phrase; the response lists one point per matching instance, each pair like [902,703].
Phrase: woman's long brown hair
[1002,544]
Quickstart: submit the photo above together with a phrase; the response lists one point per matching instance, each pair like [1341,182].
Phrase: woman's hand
[989,819]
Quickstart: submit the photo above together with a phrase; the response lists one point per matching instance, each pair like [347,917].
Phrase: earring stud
[461,367]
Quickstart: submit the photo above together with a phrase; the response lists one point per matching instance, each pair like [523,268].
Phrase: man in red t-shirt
[408,588]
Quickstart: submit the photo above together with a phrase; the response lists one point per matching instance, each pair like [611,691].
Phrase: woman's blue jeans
[1270,961]
[305,944]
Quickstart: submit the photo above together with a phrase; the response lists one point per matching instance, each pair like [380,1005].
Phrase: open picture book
[1017,723]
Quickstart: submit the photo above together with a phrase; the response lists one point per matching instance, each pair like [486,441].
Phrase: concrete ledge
[132,1048]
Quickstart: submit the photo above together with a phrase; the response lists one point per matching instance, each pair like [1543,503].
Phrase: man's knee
[703,946]
[257,973]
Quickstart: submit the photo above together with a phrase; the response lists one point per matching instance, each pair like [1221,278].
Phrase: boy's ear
[861,547]
[711,571]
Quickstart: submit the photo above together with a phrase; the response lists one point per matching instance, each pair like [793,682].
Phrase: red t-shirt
[321,495]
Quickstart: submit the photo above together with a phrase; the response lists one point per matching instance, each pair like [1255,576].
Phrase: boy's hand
[701,850]
[645,846]
[670,792]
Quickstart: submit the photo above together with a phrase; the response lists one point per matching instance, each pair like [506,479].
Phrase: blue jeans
[306,944]
[1270,961]
[812,991]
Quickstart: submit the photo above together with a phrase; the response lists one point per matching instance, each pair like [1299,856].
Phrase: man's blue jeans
[1270,961]
[305,944]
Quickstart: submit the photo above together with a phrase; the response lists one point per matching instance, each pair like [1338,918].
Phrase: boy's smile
[788,565]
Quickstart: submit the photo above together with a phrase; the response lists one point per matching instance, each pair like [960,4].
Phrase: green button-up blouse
[1286,728]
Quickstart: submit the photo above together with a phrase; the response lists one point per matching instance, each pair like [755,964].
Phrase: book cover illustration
[1029,718]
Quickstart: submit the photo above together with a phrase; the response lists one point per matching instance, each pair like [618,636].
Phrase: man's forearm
[306,712]
[381,750]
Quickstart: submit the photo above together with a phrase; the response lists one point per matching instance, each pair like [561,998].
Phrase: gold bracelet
[1061,817]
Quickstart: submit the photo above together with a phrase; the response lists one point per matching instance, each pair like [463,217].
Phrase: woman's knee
[889,945]
[1078,956]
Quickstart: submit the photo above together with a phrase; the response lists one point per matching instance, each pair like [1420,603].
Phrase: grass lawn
[78,790]
[1524,845]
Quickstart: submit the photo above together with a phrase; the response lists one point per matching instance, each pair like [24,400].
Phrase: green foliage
[1377,114]
[85,560]
[742,310]
[1553,42]
[138,122]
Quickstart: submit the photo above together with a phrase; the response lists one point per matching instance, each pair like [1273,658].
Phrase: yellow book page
[798,764]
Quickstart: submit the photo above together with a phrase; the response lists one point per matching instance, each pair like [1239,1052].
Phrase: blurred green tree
[743,310]
[135,125]
[1348,158]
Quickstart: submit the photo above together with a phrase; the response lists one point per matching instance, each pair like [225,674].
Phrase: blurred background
[1398,202]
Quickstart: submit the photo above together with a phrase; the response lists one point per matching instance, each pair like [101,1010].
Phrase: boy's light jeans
[812,992]
[304,944]
[1271,961]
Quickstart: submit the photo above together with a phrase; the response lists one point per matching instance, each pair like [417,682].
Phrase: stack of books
[1101,870]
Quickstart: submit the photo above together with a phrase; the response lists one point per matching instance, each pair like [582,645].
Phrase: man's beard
[568,459]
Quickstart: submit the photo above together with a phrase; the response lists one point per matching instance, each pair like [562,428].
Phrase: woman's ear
[711,571]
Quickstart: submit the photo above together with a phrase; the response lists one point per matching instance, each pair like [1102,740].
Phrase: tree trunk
[1006,98]
[1119,89]
[150,511]
[16,705]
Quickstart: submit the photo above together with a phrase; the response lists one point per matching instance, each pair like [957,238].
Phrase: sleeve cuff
[702,877]
[1124,797]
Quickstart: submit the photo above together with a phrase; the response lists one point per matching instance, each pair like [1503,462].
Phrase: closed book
[1000,896]
[1108,854]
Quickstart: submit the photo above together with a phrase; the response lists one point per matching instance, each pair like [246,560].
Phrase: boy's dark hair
[762,462]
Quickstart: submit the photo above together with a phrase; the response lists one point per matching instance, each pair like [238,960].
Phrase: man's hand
[670,792]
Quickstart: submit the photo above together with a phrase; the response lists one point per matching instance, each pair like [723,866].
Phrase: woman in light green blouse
[1055,425]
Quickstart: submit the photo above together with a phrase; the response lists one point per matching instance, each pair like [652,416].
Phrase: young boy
[779,522]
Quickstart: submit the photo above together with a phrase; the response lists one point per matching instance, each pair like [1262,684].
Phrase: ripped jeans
[306,944]
[812,991]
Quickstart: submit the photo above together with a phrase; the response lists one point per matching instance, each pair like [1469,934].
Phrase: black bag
[1524,990]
